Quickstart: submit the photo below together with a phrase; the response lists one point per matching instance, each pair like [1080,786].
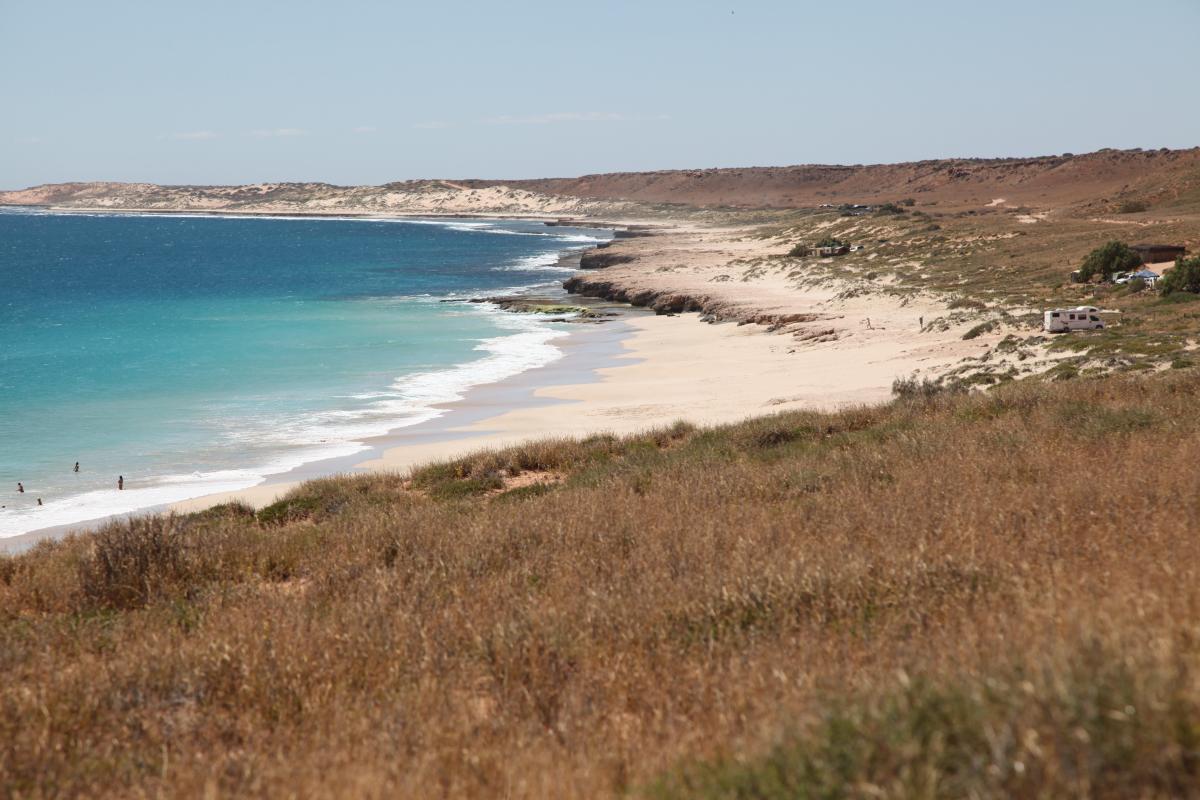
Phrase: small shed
[1158,253]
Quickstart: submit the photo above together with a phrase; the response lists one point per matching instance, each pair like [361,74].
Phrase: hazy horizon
[370,94]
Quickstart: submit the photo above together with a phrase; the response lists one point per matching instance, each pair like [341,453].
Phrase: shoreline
[586,351]
[761,344]
[567,256]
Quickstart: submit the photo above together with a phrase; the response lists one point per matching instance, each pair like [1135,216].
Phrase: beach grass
[951,595]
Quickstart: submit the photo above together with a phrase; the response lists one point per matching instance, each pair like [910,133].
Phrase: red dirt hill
[1096,181]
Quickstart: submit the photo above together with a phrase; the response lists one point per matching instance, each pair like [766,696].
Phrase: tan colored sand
[681,368]
[256,496]
[847,350]
[685,369]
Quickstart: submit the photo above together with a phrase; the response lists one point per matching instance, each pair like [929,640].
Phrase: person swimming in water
[120,482]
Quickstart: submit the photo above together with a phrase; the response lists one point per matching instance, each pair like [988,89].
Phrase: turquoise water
[198,354]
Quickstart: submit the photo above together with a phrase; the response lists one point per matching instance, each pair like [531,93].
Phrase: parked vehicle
[1081,318]
[1148,275]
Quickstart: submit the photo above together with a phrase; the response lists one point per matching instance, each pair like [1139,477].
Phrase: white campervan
[1080,318]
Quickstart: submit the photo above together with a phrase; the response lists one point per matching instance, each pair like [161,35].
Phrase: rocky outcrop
[671,302]
[633,232]
[660,302]
[598,259]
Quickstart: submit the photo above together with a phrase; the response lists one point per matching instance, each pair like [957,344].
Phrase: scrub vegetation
[954,594]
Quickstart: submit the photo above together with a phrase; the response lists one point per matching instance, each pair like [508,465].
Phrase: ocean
[197,354]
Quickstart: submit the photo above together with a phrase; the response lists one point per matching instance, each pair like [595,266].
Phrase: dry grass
[981,596]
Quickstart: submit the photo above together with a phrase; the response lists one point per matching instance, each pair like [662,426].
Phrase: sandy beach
[767,341]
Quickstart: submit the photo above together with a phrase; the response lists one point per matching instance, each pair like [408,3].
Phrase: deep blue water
[196,354]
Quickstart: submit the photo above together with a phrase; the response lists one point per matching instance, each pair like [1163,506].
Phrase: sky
[357,92]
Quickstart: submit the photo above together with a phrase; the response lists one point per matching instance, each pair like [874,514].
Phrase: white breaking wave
[417,398]
[109,502]
[542,262]
[410,400]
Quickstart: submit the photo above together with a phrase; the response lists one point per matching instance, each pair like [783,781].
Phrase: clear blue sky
[367,92]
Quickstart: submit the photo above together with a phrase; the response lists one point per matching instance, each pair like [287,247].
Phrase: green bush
[1173,298]
[979,330]
[1113,257]
[831,241]
[1137,285]
[1185,277]
[1134,206]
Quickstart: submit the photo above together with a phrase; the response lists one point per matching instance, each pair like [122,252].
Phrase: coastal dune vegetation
[984,595]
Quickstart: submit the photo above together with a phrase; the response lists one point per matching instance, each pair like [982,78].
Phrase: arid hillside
[1095,182]
[1100,182]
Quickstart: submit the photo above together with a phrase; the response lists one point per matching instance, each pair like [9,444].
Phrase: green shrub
[965,302]
[1185,277]
[830,241]
[979,330]
[1136,285]
[1173,298]
[1006,735]
[914,388]
[467,487]
[290,510]
[1115,256]
[1134,207]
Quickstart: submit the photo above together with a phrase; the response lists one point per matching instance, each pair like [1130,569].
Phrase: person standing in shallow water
[120,482]
[76,466]
[20,488]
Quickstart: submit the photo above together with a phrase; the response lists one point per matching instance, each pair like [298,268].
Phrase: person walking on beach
[39,501]
[77,466]
[20,488]
[120,482]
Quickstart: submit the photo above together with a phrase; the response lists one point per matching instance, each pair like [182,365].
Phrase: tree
[831,241]
[1104,261]
[1184,277]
